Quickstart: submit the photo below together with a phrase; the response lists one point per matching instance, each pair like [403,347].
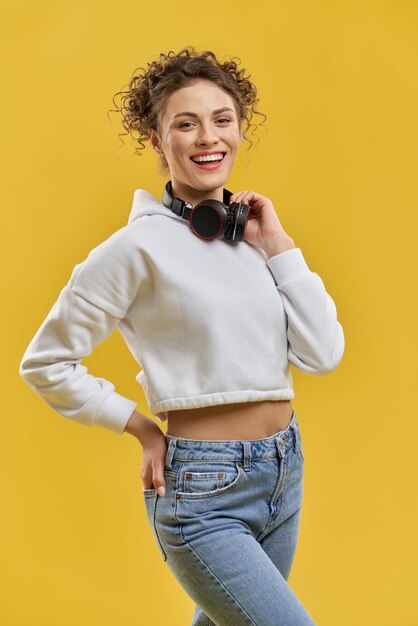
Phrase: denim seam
[155,528]
[277,495]
[299,447]
[220,582]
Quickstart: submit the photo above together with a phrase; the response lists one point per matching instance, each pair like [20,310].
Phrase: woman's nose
[207,135]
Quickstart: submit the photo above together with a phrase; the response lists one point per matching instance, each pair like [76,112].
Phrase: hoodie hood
[144,203]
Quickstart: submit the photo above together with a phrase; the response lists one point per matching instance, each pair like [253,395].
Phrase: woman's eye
[225,119]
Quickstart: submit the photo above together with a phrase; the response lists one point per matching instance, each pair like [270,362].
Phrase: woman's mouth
[209,165]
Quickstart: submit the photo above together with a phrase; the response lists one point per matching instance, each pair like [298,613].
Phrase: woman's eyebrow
[191,114]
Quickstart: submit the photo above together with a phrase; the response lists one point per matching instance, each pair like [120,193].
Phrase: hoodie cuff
[288,265]
[115,412]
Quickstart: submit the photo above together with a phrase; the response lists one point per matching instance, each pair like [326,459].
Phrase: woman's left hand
[263,228]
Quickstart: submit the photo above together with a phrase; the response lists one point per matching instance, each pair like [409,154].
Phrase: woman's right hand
[154,448]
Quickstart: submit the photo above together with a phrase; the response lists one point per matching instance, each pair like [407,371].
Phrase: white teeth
[209,157]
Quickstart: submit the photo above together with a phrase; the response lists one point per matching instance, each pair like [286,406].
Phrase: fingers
[153,462]
[158,474]
[158,480]
[159,483]
[237,197]
[250,197]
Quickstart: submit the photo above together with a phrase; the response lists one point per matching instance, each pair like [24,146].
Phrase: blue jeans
[228,526]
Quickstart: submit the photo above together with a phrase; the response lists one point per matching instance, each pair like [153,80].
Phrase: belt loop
[279,445]
[170,452]
[247,455]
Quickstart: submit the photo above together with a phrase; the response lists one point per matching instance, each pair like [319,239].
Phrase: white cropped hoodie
[209,322]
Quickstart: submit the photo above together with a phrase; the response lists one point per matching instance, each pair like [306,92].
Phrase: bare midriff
[243,420]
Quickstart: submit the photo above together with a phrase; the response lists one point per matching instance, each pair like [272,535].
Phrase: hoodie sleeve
[89,307]
[315,336]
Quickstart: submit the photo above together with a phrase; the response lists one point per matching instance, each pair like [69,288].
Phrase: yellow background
[338,157]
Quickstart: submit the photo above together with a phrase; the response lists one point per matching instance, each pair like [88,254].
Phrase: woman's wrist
[140,426]
[275,244]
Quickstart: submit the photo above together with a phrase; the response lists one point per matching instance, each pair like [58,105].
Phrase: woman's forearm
[140,426]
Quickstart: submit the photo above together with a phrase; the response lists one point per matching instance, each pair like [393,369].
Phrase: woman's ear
[155,141]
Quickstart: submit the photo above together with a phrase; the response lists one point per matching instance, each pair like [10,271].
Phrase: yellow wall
[338,83]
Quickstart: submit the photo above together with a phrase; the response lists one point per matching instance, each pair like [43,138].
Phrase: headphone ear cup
[238,220]
[209,218]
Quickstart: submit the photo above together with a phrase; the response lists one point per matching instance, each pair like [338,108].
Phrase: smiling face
[192,123]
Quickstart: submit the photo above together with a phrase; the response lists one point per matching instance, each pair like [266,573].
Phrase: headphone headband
[182,208]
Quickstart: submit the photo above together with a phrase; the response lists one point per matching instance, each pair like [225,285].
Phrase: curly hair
[148,90]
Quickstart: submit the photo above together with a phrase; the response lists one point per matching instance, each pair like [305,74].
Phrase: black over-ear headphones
[210,218]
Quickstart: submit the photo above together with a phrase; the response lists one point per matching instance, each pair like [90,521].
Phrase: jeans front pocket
[206,479]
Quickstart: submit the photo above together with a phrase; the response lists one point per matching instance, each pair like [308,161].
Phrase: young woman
[214,325]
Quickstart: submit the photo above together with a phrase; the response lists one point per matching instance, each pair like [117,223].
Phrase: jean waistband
[184,449]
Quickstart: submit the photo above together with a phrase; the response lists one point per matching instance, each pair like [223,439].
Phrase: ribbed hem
[222,397]
[115,412]
[288,265]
